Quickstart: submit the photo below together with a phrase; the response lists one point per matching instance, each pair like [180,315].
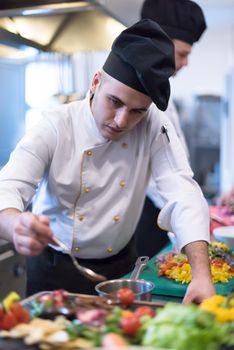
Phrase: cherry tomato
[130,324]
[16,309]
[1,324]
[125,295]
[24,317]
[21,314]
[144,310]
[9,321]
[1,312]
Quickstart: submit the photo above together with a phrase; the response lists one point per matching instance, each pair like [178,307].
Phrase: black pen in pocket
[165,132]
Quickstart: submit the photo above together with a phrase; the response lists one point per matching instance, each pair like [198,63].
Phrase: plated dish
[110,326]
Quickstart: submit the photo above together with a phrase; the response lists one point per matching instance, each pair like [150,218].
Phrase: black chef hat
[180,19]
[142,57]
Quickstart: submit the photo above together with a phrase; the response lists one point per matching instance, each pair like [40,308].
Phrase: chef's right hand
[31,233]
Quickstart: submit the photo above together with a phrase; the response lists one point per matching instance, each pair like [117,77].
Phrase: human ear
[95,82]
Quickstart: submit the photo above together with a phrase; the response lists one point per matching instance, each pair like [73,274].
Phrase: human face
[182,51]
[116,107]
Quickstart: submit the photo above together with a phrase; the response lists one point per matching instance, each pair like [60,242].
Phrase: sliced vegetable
[176,266]
[10,299]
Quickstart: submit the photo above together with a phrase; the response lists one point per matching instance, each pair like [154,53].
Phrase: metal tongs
[90,274]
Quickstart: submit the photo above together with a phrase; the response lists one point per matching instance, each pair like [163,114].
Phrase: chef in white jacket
[184,23]
[87,164]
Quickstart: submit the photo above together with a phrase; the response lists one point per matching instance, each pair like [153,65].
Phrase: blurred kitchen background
[49,51]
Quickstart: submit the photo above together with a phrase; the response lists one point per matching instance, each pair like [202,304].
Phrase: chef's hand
[31,233]
[201,286]
[198,290]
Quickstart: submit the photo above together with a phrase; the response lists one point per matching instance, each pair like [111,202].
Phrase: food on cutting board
[176,266]
[176,326]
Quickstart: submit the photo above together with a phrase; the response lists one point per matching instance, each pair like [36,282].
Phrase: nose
[121,118]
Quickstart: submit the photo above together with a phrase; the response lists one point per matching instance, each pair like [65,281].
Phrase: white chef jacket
[92,189]
[173,116]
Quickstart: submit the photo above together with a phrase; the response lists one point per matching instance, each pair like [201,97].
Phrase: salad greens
[186,327]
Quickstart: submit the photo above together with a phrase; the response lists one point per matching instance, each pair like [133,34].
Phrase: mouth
[114,130]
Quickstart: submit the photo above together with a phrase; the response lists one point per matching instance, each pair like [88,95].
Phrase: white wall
[209,62]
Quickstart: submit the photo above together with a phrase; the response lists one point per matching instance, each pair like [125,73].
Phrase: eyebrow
[141,109]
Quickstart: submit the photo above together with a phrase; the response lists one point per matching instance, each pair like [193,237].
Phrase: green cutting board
[164,286]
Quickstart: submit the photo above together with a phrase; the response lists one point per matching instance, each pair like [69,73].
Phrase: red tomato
[130,324]
[9,321]
[217,262]
[22,315]
[16,309]
[125,295]
[144,310]
[1,312]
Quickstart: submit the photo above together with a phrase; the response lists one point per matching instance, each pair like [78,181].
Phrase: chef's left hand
[198,290]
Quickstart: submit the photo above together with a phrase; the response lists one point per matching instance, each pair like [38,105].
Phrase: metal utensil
[141,288]
[90,274]
[139,267]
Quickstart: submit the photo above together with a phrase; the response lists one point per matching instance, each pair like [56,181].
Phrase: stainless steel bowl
[141,288]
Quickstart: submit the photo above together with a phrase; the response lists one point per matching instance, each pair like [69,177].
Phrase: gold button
[77,249]
[81,217]
[122,183]
[116,218]
[87,189]
[89,153]
[109,250]
[124,145]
